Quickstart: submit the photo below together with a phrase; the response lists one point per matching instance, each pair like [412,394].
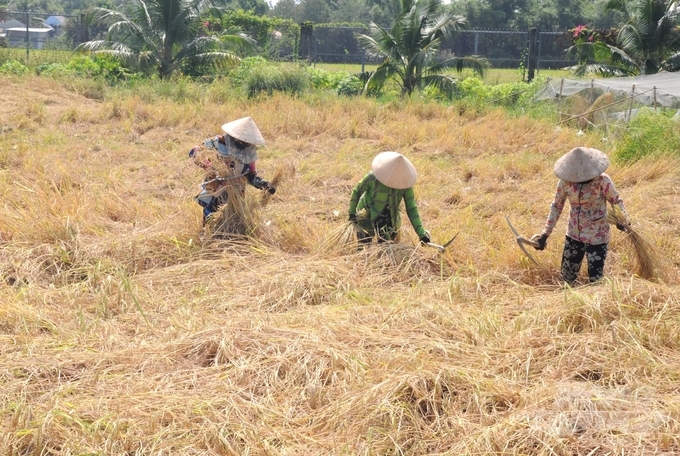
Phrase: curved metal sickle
[521,240]
[442,248]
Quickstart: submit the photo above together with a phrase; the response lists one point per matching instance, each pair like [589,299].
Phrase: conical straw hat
[244,130]
[581,164]
[394,170]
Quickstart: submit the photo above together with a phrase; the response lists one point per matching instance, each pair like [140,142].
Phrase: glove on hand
[271,190]
[621,226]
[353,218]
[542,240]
[425,239]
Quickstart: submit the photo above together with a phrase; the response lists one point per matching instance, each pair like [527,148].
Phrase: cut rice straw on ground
[340,241]
[649,262]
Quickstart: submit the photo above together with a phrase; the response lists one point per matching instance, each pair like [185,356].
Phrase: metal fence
[504,49]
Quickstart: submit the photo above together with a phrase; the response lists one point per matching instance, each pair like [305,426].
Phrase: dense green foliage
[409,49]
[482,14]
[275,37]
[164,34]
[647,43]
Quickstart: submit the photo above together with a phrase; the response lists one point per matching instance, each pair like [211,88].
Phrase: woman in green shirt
[379,195]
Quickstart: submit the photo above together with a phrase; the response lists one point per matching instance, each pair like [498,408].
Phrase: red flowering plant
[583,34]
[590,45]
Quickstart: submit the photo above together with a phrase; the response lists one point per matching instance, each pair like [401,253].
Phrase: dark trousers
[572,257]
[382,226]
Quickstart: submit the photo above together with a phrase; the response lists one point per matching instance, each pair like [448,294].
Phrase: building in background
[37,36]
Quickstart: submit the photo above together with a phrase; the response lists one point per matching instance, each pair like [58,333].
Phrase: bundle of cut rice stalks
[238,217]
[339,241]
[274,182]
[649,263]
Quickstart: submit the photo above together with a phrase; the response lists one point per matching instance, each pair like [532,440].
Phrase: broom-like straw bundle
[237,217]
[274,182]
[648,261]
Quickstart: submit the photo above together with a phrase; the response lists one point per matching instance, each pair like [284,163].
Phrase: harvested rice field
[124,331]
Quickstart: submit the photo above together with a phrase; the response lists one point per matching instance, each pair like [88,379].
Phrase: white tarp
[661,88]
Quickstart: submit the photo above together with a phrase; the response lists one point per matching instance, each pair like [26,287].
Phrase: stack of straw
[649,264]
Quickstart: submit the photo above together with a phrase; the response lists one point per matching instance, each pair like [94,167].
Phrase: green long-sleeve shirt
[373,196]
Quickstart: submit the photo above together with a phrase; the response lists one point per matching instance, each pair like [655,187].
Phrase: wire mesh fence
[504,49]
[318,44]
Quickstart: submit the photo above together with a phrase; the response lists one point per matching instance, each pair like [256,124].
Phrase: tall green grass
[650,133]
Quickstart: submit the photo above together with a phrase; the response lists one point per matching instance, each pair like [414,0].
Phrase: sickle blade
[520,242]
[449,243]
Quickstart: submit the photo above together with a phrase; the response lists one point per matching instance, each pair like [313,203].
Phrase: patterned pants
[572,257]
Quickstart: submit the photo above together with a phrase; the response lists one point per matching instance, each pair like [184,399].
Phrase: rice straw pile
[340,241]
[648,260]
[237,217]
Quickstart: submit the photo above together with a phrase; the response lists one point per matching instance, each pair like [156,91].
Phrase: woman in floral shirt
[588,190]
[378,196]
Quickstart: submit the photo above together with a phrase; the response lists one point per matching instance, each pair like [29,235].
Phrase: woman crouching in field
[229,164]
[379,196]
[588,189]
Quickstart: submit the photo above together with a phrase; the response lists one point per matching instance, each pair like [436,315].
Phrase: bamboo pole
[630,108]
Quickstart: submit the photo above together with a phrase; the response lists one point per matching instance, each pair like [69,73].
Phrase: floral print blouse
[588,213]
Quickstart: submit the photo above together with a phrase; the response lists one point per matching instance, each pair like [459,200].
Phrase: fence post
[532,53]
[28,41]
[84,33]
[476,43]
[306,39]
[630,107]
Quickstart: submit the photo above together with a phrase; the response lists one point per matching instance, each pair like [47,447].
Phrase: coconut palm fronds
[649,263]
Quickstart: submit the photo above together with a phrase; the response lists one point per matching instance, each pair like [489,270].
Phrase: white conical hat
[394,170]
[244,130]
[581,164]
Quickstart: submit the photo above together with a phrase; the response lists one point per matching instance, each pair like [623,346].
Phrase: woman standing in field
[588,189]
[229,161]
[377,198]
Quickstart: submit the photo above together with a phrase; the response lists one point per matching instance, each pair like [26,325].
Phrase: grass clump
[256,75]
[650,134]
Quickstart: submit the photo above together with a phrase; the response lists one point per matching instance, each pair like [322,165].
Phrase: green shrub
[339,82]
[247,65]
[272,77]
[53,69]
[649,133]
[508,94]
[13,67]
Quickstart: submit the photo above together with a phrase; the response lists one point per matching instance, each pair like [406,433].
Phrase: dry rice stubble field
[122,332]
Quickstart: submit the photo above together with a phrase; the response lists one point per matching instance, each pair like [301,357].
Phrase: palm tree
[410,47]
[646,44]
[162,34]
